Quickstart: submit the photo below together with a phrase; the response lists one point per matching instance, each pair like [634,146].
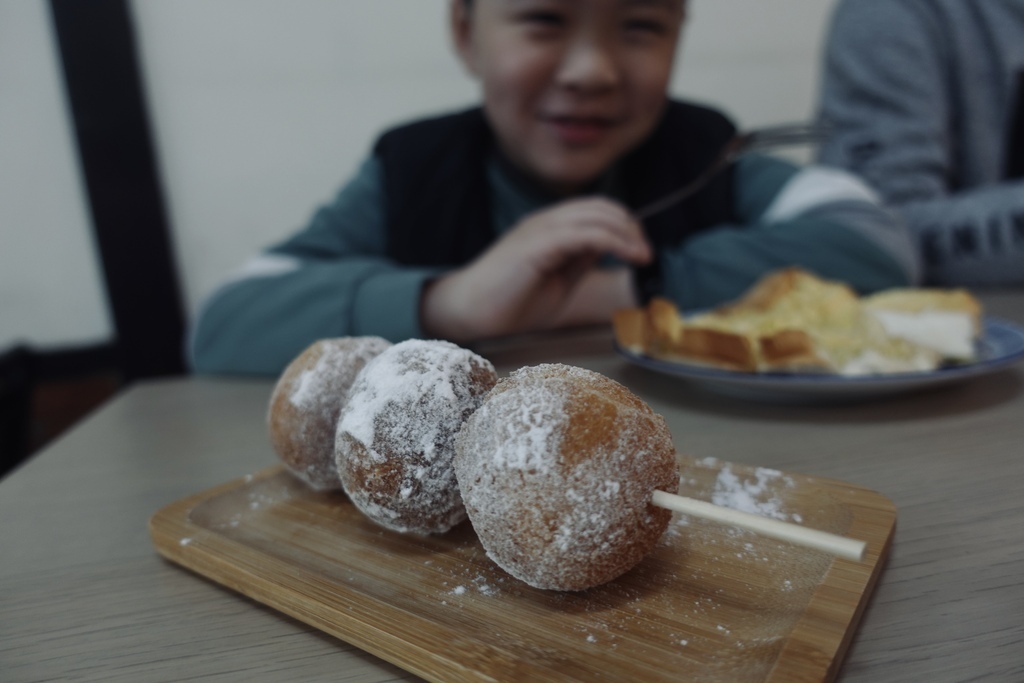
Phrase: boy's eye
[543,19]
[649,27]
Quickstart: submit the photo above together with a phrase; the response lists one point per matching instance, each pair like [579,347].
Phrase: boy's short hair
[468,4]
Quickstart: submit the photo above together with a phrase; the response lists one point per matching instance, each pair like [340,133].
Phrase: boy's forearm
[721,265]
[599,294]
[258,325]
[447,313]
[442,313]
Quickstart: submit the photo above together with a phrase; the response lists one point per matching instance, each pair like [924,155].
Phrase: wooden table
[84,596]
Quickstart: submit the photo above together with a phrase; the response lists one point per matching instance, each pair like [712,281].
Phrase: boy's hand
[540,274]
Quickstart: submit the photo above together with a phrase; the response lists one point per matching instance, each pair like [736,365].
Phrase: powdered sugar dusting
[307,400]
[396,437]
[525,439]
[418,374]
[325,385]
[306,387]
[557,469]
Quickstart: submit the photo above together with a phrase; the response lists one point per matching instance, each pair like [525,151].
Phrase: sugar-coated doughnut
[306,401]
[557,469]
[396,436]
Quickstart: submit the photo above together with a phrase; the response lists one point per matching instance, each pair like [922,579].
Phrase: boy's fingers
[627,237]
[605,212]
[600,239]
[593,225]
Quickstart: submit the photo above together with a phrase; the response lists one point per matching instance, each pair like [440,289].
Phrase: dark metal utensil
[759,138]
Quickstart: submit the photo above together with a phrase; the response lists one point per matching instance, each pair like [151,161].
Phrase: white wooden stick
[794,533]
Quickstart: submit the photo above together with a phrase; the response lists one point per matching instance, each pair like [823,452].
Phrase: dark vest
[438,199]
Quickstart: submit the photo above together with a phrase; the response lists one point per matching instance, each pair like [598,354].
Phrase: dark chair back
[16,371]
[106,98]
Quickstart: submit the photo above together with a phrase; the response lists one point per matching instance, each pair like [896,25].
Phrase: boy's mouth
[580,130]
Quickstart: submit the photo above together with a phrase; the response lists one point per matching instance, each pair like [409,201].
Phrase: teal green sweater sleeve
[332,279]
[816,218]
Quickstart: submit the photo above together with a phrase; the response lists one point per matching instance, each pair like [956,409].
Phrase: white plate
[1001,345]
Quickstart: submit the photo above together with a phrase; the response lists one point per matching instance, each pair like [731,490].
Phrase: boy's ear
[461,23]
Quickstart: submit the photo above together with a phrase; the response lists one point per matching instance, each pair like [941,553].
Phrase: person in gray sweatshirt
[925,101]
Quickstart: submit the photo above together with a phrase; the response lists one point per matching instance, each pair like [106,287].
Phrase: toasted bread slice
[659,331]
[792,320]
[791,350]
[921,300]
[946,321]
[631,329]
[715,348]
[790,316]
[788,299]
[666,324]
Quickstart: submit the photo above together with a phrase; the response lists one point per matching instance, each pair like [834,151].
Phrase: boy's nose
[588,66]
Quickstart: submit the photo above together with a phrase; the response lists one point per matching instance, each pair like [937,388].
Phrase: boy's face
[569,86]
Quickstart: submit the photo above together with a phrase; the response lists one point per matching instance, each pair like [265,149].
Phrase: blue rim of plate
[1001,345]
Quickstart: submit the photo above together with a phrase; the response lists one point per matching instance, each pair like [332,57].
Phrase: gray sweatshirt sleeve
[905,94]
[332,279]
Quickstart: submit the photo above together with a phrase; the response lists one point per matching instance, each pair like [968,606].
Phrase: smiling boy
[517,216]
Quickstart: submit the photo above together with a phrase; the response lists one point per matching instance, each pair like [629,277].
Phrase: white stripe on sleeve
[815,186]
[264,265]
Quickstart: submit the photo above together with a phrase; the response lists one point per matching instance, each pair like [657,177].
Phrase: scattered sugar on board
[754,496]
[465,580]
[600,628]
[262,498]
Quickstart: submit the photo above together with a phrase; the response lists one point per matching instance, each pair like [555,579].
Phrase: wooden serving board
[711,603]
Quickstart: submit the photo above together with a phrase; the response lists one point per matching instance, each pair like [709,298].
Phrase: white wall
[51,290]
[263,108]
[272,105]
[757,59]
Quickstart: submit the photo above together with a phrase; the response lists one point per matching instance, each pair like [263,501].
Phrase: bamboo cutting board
[711,603]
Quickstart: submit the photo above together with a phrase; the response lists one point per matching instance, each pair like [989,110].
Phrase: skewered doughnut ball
[557,469]
[396,436]
[306,402]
